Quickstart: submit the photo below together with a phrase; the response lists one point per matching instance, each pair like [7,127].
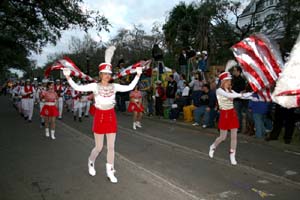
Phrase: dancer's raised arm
[82,88]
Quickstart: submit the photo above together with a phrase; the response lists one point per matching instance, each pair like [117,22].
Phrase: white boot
[212,149]
[92,170]
[232,157]
[138,124]
[134,126]
[47,132]
[110,172]
[53,134]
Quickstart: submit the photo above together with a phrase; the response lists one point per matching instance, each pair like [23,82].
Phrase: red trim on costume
[26,90]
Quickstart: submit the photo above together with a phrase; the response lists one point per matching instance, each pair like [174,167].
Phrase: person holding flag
[104,123]
[59,89]
[228,117]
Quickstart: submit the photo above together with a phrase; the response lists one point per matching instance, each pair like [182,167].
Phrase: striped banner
[131,69]
[66,62]
[261,63]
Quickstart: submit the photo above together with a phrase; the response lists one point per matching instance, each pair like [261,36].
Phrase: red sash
[58,90]
[77,95]
[26,91]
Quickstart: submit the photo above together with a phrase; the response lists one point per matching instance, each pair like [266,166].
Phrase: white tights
[110,140]
[222,137]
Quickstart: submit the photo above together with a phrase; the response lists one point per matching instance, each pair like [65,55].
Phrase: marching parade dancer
[40,90]
[16,94]
[28,93]
[104,114]
[59,89]
[228,117]
[136,107]
[49,110]
[68,98]
[86,103]
[77,107]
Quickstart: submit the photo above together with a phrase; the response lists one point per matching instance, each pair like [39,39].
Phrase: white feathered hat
[230,64]
[107,67]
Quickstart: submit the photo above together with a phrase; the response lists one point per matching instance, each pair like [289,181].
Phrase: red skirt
[105,121]
[49,111]
[228,120]
[133,107]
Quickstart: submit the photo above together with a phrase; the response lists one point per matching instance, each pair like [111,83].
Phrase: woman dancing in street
[136,107]
[104,114]
[49,110]
[228,118]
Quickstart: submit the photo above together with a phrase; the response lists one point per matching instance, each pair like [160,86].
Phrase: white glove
[247,95]
[139,70]
[66,71]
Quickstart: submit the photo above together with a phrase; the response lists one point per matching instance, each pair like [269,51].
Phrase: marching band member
[49,110]
[28,93]
[68,97]
[136,107]
[86,103]
[104,114]
[16,93]
[59,89]
[228,118]
[41,89]
[77,107]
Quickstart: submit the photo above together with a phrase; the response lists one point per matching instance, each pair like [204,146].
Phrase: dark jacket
[204,99]
[171,89]
[182,60]
[212,99]
[238,84]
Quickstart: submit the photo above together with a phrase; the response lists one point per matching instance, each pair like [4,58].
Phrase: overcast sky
[121,14]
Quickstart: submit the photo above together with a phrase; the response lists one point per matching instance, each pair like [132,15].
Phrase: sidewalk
[34,167]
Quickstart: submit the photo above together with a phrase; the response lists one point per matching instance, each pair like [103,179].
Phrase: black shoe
[270,138]
[74,118]
[43,124]
[25,118]
[29,121]
[80,120]
[86,116]
[60,118]
[287,141]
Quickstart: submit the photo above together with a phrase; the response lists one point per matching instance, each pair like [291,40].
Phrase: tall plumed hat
[225,76]
[106,67]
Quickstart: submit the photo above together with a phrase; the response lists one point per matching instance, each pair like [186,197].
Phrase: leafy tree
[133,45]
[29,25]
[203,26]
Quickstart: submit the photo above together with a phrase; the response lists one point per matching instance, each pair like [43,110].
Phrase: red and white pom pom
[287,90]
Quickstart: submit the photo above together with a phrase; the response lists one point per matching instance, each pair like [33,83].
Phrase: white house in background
[263,8]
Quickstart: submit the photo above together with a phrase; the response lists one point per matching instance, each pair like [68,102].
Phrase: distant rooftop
[261,6]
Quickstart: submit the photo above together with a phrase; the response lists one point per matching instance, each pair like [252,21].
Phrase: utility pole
[87,65]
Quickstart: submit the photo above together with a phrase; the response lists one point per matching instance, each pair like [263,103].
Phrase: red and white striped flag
[66,62]
[261,62]
[131,69]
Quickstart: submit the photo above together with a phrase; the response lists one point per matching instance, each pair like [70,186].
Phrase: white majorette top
[225,99]
[105,96]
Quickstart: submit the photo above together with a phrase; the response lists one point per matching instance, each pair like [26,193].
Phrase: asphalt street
[162,160]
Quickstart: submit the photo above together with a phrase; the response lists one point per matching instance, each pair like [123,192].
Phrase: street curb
[295,149]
